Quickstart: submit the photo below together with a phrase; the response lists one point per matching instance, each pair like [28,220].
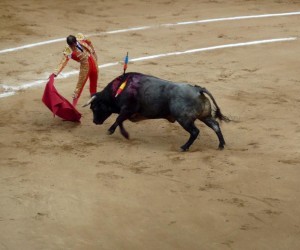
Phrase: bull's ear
[89,101]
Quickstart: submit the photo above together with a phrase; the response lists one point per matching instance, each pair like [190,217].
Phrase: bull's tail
[217,112]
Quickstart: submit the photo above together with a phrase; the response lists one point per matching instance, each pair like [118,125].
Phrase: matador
[81,49]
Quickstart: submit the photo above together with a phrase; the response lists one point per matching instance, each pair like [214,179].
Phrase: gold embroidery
[80,36]
[61,65]
[86,46]
[83,74]
[67,51]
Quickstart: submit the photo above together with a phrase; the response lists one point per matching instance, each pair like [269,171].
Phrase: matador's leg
[83,76]
[93,75]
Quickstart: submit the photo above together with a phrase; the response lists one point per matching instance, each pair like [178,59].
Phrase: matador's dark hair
[71,40]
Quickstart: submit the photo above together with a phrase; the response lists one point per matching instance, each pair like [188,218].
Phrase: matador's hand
[75,95]
[51,75]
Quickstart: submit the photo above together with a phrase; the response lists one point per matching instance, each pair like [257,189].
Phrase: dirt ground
[66,185]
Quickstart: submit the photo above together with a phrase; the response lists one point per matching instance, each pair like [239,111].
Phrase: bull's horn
[89,101]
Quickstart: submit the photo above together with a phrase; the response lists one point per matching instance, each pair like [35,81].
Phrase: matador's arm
[87,43]
[92,48]
[64,61]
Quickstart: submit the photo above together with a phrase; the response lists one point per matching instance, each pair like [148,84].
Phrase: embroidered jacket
[83,50]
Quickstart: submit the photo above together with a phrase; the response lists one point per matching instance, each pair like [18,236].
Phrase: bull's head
[101,110]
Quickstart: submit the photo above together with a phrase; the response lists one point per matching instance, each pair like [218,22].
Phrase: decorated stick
[125,63]
[123,85]
[120,89]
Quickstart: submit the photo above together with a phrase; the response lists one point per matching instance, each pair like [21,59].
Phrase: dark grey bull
[148,97]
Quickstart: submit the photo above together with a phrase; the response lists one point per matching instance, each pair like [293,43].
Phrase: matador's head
[71,41]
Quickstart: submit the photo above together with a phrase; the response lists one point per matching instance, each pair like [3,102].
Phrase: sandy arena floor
[72,186]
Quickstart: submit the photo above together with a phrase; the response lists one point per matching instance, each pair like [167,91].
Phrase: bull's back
[159,98]
[153,97]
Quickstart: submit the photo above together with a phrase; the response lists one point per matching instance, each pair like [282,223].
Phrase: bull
[149,97]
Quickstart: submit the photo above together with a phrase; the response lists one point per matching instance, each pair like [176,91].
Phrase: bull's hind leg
[214,125]
[190,127]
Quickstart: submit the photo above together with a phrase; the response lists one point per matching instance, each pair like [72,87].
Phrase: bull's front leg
[124,115]
[123,131]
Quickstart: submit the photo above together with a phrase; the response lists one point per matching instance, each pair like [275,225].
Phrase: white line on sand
[12,89]
[155,26]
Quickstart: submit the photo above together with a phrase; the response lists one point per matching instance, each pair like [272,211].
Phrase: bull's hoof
[221,147]
[110,132]
[126,135]
[124,132]
[183,149]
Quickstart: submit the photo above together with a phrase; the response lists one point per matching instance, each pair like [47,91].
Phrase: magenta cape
[58,104]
